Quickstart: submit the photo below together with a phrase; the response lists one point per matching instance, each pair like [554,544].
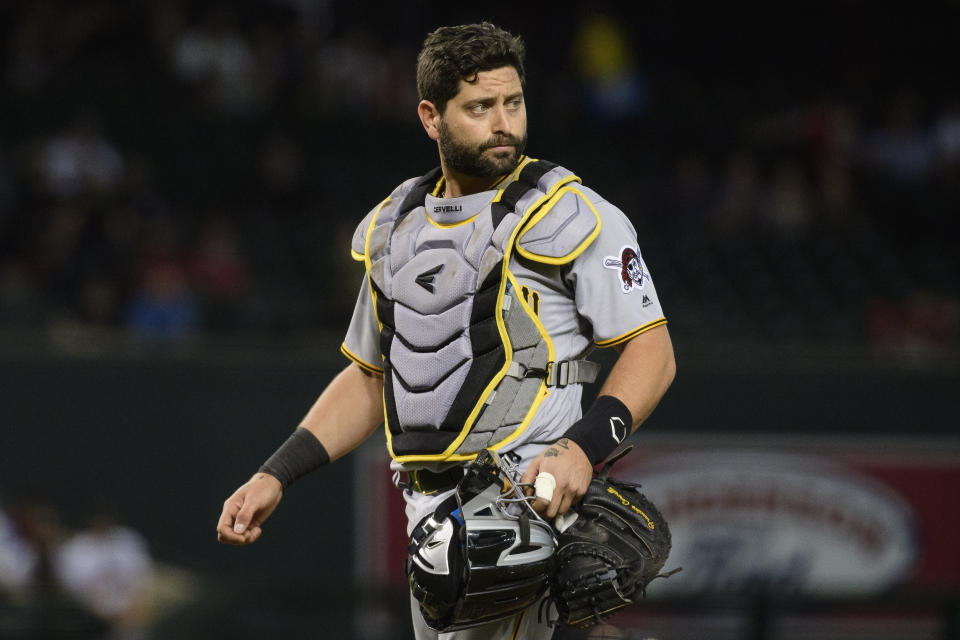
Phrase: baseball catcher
[487,281]
[616,544]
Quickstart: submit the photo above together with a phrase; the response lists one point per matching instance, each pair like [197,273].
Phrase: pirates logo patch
[628,263]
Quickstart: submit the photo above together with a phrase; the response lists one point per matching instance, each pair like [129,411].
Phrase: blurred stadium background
[178,185]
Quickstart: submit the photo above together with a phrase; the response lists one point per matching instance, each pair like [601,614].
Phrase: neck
[458,184]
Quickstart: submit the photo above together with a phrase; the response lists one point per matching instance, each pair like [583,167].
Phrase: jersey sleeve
[362,342]
[612,284]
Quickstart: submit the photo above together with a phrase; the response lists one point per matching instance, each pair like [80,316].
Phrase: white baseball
[544,485]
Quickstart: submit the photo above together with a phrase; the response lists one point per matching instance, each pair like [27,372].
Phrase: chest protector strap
[466,361]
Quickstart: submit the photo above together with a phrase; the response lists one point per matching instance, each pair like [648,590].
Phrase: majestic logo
[619,432]
[632,273]
[425,279]
[647,301]
[448,208]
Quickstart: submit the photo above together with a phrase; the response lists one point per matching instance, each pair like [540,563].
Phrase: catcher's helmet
[484,554]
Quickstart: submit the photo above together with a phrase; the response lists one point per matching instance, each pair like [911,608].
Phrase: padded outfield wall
[168,433]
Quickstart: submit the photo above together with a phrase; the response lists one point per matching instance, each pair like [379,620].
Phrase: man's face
[483,130]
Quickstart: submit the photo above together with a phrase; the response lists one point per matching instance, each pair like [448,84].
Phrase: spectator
[947,134]
[902,149]
[79,160]
[351,71]
[613,88]
[281,169]
[739,201]
[107,569]
[690,193]
[163,305]
[217,58]
[220,274]
[17,560]
[788,209]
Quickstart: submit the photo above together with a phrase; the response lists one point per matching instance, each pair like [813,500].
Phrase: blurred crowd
[95,580]
[175,169]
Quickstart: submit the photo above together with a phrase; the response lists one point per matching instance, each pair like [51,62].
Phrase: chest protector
[466,361]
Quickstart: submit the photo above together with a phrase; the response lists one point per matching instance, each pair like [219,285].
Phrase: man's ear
[430,117]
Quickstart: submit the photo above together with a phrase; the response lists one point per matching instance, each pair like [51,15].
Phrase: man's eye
[515,104]
[478,108]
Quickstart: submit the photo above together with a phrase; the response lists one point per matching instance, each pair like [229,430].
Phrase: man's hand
[247,508]
[568,464]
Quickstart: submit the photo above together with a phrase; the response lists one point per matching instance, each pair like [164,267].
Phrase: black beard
[471,161]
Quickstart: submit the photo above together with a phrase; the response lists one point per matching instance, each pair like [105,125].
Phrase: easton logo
[425,279]
[448,208]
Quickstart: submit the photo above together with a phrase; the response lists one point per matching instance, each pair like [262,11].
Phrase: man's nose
[501,122]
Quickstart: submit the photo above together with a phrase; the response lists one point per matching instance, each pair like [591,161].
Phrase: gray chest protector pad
[466,361]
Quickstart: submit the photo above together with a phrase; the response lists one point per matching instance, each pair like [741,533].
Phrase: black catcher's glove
[617,545]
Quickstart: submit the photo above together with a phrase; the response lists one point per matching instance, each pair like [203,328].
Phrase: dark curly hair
[451,54]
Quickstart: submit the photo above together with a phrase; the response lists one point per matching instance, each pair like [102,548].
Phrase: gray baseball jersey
[604,297]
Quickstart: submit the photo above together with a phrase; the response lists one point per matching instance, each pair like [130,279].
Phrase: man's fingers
[230,509]
[530,475]
[565,504]
[552,508]
[226,535]
[234,519]
[224,527]
[561,502]
[544,485]
[246,509]
[540,506]
[244,518]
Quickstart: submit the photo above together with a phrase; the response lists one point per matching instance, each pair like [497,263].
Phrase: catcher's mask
[484,554]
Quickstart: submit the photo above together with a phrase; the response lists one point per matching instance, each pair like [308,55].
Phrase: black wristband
[298,456]
[602,429]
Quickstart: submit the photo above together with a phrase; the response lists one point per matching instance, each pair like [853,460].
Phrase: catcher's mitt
[616,546]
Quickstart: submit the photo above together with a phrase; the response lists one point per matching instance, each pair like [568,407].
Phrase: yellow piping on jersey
[547,208]
[373,292]
[359,361]
[509,178]
[516,626]
[448,453]
[506,182]
[632,333]
[451,225]
[544,391]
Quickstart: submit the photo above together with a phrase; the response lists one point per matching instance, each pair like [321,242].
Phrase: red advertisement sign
[818,518]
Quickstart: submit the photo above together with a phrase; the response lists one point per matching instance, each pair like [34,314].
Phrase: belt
[431,482]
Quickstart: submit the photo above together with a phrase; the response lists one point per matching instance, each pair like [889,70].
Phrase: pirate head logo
[632,273]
